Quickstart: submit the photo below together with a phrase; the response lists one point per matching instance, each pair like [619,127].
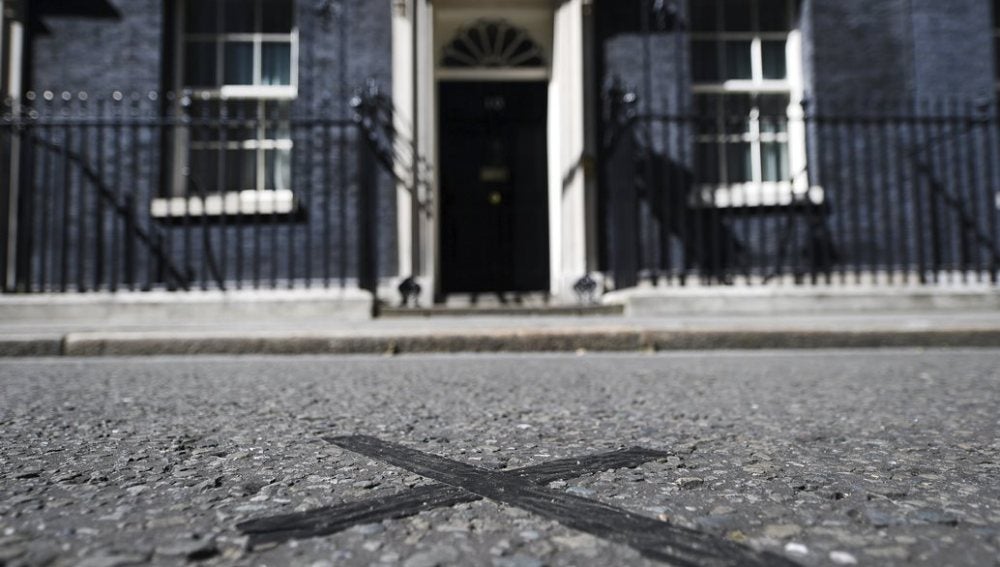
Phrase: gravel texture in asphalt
[832,458]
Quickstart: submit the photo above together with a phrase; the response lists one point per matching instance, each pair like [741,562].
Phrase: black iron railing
[113,196]
[162,192]
[856,193]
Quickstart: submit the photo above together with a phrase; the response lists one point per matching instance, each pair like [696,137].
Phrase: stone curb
[30,346]
[801,339]
[95,344]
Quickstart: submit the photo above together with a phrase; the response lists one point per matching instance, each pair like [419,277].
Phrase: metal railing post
[12,56]
[8,200]
[621,177]
[367,214]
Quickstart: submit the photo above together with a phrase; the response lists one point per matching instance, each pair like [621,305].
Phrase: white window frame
[256,200]
[258,38]
[759,193]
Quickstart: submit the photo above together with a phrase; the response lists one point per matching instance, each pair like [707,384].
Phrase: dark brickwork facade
[128,54]
[953,42]
[860,57]
[863,55]
[343,48]
[852,49]
[98,56]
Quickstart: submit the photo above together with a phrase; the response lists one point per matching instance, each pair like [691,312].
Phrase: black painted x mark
[524,488]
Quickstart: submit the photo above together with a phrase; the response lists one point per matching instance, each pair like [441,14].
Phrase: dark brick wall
[866,52]
[909,57]
[333,64]
[128,54]
[896,49]
[953,43]
[852,50]
[858,49]
[862,57]
[99,56]
[339,53]
[624,50]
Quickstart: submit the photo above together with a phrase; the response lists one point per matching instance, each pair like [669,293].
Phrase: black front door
[494,201]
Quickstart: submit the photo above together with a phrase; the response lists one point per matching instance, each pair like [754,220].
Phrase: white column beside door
[567,144]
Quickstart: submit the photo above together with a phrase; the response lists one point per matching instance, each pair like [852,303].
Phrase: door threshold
[498,300]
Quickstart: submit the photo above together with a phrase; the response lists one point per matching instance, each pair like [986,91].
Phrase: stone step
[503,310]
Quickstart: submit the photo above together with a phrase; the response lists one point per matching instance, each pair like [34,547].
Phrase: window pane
[723,114]
[736,111]
[204,120]
[708,162]
[276,120]
[199,64]
[243,109]
[738,160]
[774,59]
[203,167]
[278,170]
[707,114]
[773,104]
[738,15]
[736,122]
[739,104]
[704,15]
[239,63]
[241,170]
[277,16]
[241,120]
[239,16]
[277,64]
[706,104]
[705,61]
[774,15]
[773,113]
[200,108]
[201,16]
[738,64]
[774,160]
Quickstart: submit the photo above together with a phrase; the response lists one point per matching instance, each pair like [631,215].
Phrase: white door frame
[414,86]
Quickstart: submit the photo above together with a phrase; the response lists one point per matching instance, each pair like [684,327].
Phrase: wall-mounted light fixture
[399,7]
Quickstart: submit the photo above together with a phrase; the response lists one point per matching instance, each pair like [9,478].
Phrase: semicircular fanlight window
[492,43]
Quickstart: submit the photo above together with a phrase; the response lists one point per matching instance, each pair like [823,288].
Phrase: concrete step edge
[89,344]
[502,311]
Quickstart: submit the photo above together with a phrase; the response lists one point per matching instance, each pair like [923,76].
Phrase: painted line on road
[332,519]
[652,538]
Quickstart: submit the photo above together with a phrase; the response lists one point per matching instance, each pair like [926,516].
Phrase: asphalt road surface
[819,458]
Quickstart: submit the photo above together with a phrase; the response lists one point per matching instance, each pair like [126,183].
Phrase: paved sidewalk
[503,334]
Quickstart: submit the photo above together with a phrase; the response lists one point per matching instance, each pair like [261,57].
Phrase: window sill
[268,92]
[739,86]
[280,202]
[755,195]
